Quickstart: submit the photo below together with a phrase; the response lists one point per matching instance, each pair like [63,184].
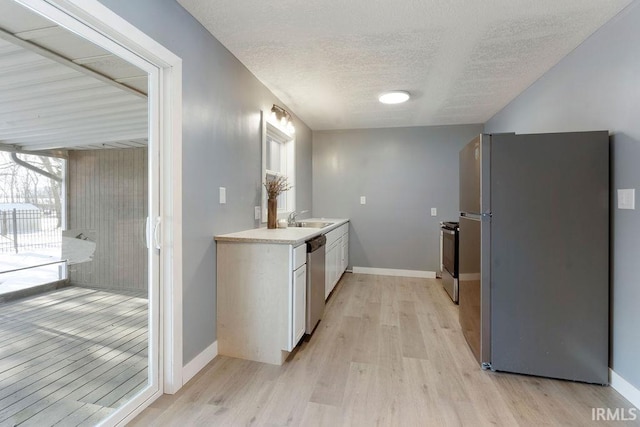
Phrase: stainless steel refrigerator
[534,253]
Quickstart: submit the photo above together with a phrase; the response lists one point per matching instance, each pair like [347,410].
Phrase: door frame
[100,25]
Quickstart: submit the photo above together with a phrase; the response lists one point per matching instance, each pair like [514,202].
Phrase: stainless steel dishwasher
[315,281]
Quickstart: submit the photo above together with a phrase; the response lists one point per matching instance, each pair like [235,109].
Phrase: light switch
[257,212]
[627,198]
[434,211]
[363,200]
[223,195]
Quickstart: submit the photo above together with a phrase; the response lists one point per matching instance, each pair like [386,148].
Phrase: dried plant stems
[276,186]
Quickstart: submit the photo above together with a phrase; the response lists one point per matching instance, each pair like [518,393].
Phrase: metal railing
[29,229]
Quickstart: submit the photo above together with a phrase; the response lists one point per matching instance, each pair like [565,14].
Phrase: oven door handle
[448,231]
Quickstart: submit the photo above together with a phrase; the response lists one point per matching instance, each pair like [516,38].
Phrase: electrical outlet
[434,211]
[257,212]
[223,195]
[363,200]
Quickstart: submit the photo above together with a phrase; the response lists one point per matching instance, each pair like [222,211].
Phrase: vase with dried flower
[275,185]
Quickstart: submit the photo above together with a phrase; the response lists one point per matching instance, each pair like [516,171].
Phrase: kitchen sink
[313,224]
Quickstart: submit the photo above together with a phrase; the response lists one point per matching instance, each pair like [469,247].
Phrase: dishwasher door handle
[316,243]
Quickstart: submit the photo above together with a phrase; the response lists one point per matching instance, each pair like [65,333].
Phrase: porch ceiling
[60,91]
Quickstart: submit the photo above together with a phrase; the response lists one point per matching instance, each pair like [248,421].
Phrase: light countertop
[286,236]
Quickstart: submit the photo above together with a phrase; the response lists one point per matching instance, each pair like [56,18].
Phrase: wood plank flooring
[388,352]
[69,357]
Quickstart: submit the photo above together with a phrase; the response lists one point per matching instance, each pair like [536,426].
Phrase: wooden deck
[71,356]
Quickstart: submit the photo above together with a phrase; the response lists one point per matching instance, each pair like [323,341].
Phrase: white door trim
[98,24]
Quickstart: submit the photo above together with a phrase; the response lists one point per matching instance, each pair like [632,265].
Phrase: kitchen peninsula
[261,290]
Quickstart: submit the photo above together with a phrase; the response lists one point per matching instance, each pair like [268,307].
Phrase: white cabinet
[299,256]
[337,256]
[262,294]
[345,251]
[331,268]
[297,296]
[299,305]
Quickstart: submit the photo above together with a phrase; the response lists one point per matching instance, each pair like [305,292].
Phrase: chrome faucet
[291,220]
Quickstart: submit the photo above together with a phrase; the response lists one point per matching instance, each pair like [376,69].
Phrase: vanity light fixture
[394,97]
[283,118]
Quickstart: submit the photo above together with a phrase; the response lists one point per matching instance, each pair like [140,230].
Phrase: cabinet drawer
[299,256]
[333,235]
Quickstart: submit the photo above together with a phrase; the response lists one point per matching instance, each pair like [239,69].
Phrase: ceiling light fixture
[394,97]
[283,118]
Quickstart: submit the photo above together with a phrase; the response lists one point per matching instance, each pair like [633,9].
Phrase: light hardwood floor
[69,357]
[389,352]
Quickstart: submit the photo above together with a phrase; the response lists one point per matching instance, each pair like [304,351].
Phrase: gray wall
[107,202]
[598,87]
[403,172]
[221,148]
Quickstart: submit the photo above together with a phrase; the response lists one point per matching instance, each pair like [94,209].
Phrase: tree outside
[28,181]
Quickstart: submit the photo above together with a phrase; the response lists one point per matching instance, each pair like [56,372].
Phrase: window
[278,159]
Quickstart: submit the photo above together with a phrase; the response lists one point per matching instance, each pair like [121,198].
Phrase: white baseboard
[627,390]
[200,361]
[395,272]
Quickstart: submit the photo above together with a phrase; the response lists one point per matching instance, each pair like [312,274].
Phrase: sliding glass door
[80,222]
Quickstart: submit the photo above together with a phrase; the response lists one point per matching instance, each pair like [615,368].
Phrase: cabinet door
[344,253]
[337,262]
[330,269]
[299,303]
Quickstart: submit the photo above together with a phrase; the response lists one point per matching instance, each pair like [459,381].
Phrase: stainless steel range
[450,258]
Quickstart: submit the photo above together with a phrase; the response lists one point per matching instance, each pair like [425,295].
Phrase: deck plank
[17,321]
[78,416]
[71,356]
[71,351]
[127,384]
[54,393]
[54,414]
[14,324]
[42,342]
[63,375]
[46,335]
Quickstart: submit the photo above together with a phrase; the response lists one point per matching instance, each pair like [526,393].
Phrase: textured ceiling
[462,60]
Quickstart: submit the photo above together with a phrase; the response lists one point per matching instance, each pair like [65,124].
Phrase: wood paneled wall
[107,202]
